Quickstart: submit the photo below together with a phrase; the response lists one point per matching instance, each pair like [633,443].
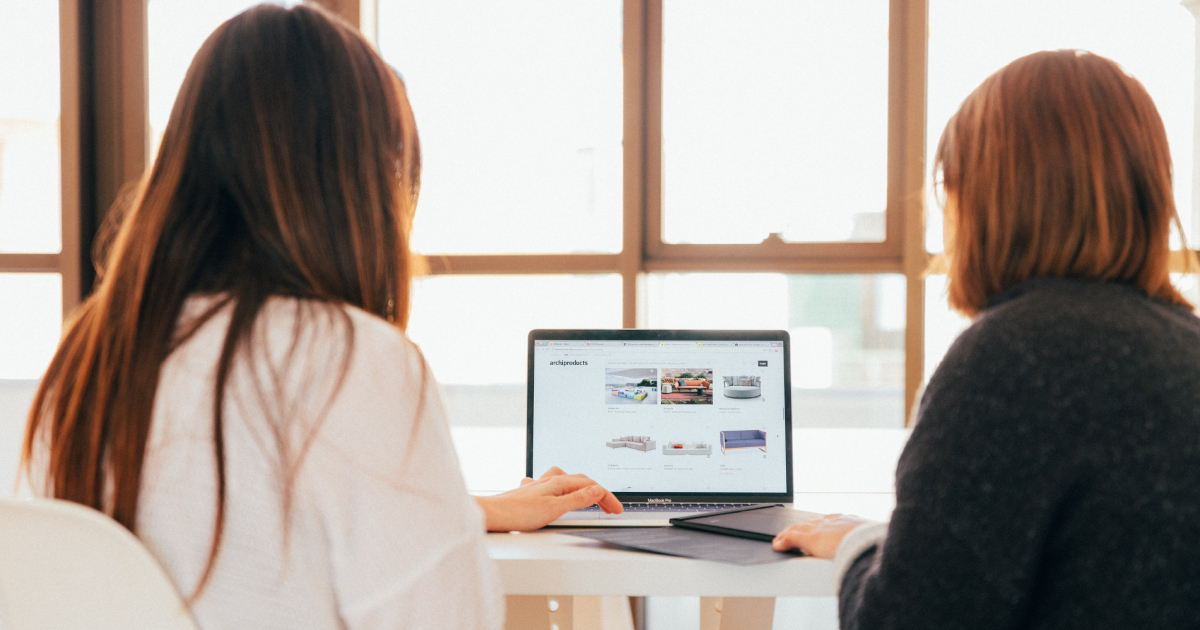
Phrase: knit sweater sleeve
[976,490]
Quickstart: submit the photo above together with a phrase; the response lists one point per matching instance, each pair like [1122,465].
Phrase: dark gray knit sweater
[1053,477]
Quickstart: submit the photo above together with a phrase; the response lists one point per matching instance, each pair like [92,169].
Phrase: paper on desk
[676,541]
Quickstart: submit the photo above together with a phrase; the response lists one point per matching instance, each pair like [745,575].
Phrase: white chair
[64,566]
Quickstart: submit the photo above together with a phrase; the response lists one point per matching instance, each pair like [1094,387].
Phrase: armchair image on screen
[733,440]
[743,386]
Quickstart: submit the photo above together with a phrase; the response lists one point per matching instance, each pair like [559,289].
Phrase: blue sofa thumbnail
[743,439]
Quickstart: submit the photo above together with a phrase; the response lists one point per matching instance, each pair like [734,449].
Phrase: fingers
[579,499]
[569,484]
[605,499]
[553,472]
[563,484]
[610,503]
[790,538]
[819,537]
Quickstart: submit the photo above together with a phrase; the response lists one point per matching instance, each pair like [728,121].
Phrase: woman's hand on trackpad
[537,502]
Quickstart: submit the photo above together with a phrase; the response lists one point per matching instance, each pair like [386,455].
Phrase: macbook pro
[674,422]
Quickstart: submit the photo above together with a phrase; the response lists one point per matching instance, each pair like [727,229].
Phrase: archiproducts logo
[561,362]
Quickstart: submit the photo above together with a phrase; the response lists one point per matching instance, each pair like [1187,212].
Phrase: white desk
[545,562]
[579,584]
[557,581]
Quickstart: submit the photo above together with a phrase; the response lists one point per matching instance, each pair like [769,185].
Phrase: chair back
[64,566]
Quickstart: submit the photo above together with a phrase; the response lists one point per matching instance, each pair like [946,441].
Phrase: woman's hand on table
[819,537]
[539,501]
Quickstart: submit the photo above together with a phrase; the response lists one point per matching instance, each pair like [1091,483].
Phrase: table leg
[737,613]
[637,606]
[554,612]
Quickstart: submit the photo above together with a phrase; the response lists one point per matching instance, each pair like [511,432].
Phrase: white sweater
[380,532]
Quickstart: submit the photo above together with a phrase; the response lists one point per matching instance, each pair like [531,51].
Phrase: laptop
[674,422]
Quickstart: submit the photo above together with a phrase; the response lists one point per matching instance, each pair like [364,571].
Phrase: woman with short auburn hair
[1078,185]
[238,391]
[1053,476]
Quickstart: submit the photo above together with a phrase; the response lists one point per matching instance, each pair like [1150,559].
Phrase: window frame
[64,262]
[103,132]
[105,144]
[643,249]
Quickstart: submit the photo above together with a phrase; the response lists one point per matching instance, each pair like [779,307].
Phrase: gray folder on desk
[686,543]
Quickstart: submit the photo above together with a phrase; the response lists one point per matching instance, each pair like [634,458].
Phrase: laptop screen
[663,412]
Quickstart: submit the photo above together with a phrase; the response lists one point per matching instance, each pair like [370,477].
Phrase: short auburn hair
[1056,165]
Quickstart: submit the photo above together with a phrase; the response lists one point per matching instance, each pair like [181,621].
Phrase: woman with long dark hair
[238,391]
[1053,476]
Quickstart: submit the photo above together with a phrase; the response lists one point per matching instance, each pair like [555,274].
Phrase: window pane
[473,329]
[1189,285]
[175,32]
[30,193]
[942,324]
[519,107]
[774,120]
[847,335]
[30,323]
[1154,40]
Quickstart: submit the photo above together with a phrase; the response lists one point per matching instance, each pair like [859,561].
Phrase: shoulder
[318,319]
[316,334]
[332,368]
[352,380]
[1072,328]
[1062,301]
[1055,354]
[290,334]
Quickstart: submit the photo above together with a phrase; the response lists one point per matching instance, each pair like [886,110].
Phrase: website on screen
[662,416]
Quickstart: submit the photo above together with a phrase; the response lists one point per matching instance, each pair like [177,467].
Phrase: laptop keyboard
[674,507]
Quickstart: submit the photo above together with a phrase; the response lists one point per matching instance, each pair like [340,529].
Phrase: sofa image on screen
[636,442]
[731,440]
[686,448]
[693,385]
[624,386]
[687,386]
[743,386]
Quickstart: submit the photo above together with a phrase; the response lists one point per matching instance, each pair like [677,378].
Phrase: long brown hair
[290,167]
[1057,165]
